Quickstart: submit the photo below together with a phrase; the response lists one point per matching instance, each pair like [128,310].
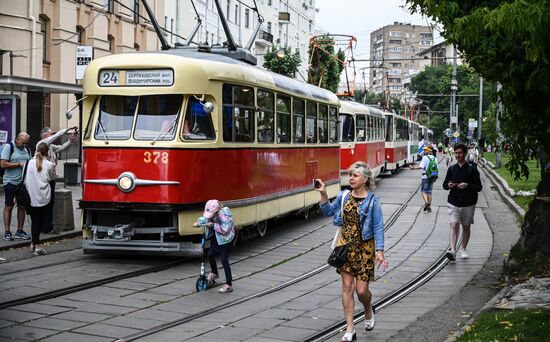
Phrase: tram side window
[311,123]
[298,115]
[283,118]
[238,110]
[197,124]
[389,128]
[116,115]
[323,124]
[266,103]
[347,128]
[361,127]
[157,117]
[332,125]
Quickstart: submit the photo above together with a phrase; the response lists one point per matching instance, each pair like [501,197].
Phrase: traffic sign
[455,140]
[456,134]
[84,55]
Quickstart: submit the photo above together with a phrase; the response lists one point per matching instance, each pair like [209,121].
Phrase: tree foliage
[325,65]
[505,41]
[285,65]
[436,80]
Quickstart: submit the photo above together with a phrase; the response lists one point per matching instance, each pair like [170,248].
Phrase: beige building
[393,54]
[39,40]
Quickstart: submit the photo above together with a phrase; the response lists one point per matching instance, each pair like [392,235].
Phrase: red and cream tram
[414,137]
[361,137]
[397,136]
[167,131]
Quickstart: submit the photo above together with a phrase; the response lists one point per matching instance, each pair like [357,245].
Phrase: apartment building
[393,54]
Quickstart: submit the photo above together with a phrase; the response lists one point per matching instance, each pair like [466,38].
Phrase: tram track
[151,331]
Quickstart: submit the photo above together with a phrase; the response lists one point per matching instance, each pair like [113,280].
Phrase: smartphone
[316,184]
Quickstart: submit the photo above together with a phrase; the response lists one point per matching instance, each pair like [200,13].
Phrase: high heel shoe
[348,337]
[369,323]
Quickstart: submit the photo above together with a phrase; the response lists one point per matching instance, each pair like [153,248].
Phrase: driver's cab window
[197,124]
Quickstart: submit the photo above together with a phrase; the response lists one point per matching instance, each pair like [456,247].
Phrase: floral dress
[361,255]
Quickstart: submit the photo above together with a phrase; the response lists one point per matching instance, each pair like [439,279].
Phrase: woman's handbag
[21,194]
[338,256]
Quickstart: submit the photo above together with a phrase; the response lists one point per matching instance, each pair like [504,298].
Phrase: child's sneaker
[20,234]
[226,289]
[211,277]
[39,251]
[8,236]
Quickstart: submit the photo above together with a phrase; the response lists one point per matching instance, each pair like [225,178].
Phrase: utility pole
[453,120]
[498,162]
[480,109]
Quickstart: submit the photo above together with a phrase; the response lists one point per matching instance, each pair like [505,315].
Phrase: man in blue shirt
[13,164]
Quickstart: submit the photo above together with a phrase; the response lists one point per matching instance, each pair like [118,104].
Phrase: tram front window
[116,115]
[157,117]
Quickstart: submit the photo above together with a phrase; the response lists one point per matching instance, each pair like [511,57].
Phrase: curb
[52,238]
[502,187]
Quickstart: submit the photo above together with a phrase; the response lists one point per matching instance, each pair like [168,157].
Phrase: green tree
[286,63]
[507,41]
[326,66]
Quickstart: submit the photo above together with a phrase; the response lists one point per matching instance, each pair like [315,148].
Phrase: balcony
[264,38]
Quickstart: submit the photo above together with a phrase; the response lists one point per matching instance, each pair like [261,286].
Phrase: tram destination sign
[136,78]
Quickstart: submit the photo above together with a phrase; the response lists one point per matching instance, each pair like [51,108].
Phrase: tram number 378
[155,157]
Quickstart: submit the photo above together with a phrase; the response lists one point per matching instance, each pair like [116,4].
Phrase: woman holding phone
[362,226]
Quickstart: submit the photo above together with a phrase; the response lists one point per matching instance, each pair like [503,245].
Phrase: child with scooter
[220,220]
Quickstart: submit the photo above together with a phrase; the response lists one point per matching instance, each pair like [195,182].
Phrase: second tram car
[414,137]
[397,136]
[167,131]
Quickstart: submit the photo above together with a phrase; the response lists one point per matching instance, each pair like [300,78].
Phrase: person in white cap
[221,220]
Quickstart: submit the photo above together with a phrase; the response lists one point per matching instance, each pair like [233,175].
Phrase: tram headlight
[126,182]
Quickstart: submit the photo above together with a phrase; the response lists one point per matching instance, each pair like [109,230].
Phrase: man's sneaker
[39,251]
[8,236]
[463,254]
[451,255]
[20,234]
[426,206]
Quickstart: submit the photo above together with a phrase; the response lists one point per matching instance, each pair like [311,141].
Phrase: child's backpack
[432,171]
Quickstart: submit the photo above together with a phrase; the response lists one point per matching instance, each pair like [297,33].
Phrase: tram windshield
[155,117]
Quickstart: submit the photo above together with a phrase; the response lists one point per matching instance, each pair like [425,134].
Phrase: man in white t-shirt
[427,181]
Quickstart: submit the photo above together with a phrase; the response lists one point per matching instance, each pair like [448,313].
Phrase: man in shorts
[13,164]
[462,179]
[427,181]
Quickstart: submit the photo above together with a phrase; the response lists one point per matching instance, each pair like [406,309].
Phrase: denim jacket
[371,218]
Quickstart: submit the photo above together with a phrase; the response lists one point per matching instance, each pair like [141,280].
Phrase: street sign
[472,123]
[455,140]
[84,55]
[454,119]
[456,134]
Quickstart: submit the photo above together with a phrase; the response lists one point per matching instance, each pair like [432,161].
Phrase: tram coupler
[121,231]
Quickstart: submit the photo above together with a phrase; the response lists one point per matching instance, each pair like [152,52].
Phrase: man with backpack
[462,179]
[14,156]
[430,172]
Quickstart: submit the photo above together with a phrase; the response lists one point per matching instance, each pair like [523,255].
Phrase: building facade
[38,42]
[393,54]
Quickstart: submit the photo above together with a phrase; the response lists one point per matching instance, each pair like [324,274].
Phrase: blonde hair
[41,153]
[363,169]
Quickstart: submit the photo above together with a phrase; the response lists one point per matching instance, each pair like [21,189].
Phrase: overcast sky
[360,17]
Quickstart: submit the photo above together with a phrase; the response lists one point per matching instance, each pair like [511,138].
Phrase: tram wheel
[262,228]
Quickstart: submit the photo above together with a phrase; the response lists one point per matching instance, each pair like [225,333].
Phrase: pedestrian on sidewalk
[472,156]
[462,179]
[47,136]
[14,156]
[358,213]
[430,172]
[220,220]
[40,171]
[449,152]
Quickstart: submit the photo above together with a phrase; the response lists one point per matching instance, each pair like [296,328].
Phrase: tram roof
[353,107]
[234,71]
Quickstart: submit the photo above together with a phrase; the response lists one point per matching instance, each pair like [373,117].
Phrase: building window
[44,31]
[247,18]
[80,32]
[136,47]
[269,27]
[111,40]
[310,25]
[269,2]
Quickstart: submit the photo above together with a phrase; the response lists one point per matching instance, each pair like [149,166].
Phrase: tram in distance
[397,141]
[167,131]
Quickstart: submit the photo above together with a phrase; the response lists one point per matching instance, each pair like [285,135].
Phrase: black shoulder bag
[21,194]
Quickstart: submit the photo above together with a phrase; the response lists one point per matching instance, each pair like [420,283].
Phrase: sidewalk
[76,192]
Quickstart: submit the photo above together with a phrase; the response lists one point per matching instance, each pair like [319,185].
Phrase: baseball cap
[211,208]
[427,148]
